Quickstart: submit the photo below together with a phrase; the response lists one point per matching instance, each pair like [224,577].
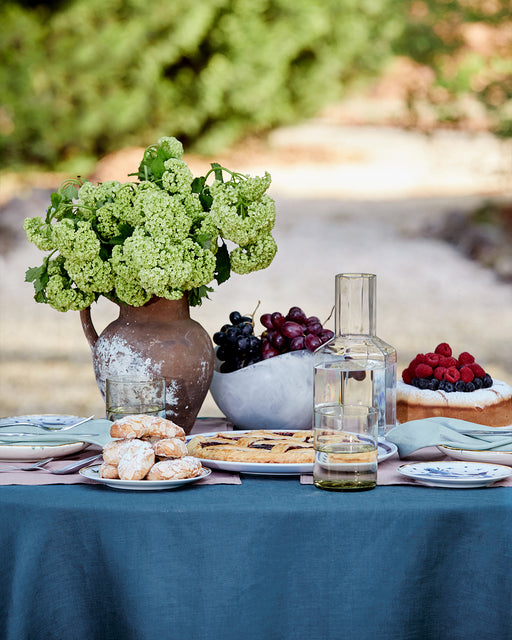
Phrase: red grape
[268,351]
[266,321]
[312,342]
[297,344]
[292,329]
[325,335]
[314,327]
[278,340]
[278,319]
[296,315]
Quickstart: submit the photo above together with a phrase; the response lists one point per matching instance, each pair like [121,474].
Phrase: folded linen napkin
[81,433]
[417,434]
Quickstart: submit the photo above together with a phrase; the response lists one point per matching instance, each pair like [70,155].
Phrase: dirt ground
[349,199]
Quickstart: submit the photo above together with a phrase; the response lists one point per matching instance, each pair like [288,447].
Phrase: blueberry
[235,317]
[434,384]
[448,386]
[487,380]
[423,383]
[415,382]
[478,382]
[460,385]
[470,387]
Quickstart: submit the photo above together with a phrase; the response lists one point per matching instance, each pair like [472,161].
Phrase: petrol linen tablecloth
[269,559]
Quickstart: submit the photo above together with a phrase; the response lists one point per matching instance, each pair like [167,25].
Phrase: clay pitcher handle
[88,327]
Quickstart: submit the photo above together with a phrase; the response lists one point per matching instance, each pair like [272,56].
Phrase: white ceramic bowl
[272,394]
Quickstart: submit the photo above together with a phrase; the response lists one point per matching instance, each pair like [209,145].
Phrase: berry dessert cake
[437,384]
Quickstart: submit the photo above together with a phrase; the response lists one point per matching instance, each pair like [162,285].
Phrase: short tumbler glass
[346,441]
[130,395]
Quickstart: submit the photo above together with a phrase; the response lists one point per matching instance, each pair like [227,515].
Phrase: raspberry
[432,359]
[439,373]
[466,374]
[443,349]
[423,370]
[466,358]
[476,369]
[407,375]
[416,360]
[447,361]
[452,374]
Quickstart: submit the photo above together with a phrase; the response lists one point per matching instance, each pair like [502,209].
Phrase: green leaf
[34,273]
[69,192]
[198,184]
[222,265]
[206,199]
[217,169]
[157,168]
[55,199]
[196,295]
[41,297]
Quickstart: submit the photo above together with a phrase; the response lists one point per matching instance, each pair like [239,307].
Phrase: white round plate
[140,485]
[493,457]
[455,475]
[385,450]
[26,451]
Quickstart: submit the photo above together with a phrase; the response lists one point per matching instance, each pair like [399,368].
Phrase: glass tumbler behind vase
[356,367]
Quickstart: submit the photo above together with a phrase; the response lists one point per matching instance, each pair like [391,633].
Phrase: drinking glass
[346,440]
[129,395]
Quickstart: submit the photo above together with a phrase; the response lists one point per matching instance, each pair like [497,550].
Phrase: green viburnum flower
[163,235]
[254,256]
[39,233]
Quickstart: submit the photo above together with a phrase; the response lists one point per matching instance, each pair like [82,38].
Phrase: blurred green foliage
[89,76]
[85,77]
[467,45]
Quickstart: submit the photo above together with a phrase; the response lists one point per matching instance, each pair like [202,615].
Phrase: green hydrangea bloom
[172,146]
[239,221]
[165,216]
[202,262]
[62,296]
[80,243]
[177,177]
[93,276]
[254,256]
[39,233]
[253,187]
[130,292]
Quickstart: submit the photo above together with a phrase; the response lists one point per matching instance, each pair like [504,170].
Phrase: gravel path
[360,206]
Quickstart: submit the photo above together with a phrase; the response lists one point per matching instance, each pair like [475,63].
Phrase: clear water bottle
[356,367]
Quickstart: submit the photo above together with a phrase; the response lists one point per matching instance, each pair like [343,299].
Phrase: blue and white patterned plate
[26,451]
[455,475]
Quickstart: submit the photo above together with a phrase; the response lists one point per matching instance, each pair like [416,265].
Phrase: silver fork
[31,467]
[45,427]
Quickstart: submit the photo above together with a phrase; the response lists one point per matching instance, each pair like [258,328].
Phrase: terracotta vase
[157,339]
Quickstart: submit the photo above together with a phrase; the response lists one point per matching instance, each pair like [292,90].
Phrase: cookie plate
[385,450]
[91,473]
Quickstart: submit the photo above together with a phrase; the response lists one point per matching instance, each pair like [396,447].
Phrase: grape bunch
[292,332]
[238,347]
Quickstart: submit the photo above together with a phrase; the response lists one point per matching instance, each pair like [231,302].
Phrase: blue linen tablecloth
[270,559]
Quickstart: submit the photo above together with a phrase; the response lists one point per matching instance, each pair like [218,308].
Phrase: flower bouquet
[166,235]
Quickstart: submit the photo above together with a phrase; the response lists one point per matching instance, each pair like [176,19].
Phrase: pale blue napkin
[430,432]
[100,429]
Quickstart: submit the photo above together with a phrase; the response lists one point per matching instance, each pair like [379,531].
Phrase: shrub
[89,76]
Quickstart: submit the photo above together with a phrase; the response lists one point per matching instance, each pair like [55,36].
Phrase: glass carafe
[356,367]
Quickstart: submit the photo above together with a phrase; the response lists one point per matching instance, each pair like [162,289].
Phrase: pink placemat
[387,473]
[44,477]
